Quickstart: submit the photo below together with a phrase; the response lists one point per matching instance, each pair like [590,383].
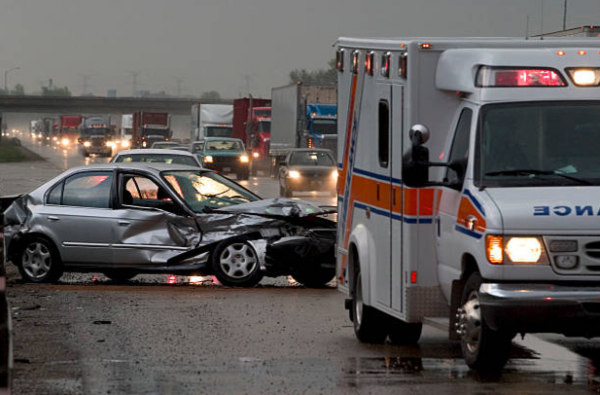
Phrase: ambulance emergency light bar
[522,77]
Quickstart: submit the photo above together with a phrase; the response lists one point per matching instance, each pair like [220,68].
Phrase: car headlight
[294,174]
[256,155]
[144,144]
[125,143]
[110,144]
[515,250]
[208,159]
[244,159]
[65,142]
[334,174]
[87,144]
[54,138]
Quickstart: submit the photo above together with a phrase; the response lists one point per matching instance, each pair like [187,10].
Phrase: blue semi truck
[303,116]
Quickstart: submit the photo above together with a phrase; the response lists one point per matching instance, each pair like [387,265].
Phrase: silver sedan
[124,219]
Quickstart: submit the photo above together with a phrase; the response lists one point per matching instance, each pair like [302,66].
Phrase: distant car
[176,157]
[165,145]
[183,148]
[226,155]
[196,146]
[307,169]
[124,219]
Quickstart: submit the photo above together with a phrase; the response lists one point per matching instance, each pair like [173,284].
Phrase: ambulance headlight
[87,144]
[294,174]
[585,77]
[526,250]
[516,250]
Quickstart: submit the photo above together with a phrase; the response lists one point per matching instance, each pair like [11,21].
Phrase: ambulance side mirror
[415,169]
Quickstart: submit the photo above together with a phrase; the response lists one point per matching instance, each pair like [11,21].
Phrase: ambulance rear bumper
[541,308]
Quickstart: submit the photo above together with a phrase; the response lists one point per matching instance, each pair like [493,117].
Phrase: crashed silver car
[125,219]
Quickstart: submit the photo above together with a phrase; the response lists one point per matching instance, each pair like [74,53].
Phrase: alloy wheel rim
[37,260]
[470,322]
[238,260]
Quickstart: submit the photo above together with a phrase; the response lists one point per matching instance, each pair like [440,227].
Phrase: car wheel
[312,277]
[39,261]
[484,349]
[236,264]
[370,325]
[403,332]
[120,276]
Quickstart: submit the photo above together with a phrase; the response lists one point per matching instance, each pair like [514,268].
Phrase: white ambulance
[469,188]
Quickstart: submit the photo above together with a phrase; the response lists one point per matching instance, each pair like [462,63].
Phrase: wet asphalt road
[165,335]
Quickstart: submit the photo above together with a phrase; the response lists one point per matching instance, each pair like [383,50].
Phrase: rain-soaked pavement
[190,335]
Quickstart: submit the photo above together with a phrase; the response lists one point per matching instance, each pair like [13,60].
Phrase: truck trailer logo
[563,211]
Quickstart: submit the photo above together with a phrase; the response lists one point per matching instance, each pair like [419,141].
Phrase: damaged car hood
[279,207]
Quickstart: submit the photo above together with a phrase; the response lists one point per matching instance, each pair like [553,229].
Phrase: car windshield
[207,190]
[218,131]
[311,158]
[224,145]
[325,126]
[157,158]
[535,144]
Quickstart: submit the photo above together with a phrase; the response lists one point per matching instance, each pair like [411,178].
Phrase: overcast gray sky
[212,44]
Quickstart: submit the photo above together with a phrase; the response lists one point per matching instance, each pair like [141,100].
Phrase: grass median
[12,151]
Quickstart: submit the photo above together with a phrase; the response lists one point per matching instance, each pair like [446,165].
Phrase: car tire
[39,261]
[235,263]
[404,333]
[370,325]
[120,276]
[484,349]
[312,277]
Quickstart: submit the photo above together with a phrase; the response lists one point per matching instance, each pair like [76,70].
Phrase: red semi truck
[69,130]
[252,124]
[149,128]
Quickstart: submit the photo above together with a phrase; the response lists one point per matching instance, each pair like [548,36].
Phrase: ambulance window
[384,133]
[460,146]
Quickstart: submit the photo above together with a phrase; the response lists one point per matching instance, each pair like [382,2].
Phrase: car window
[55,195]
[223,145]
[90,189]
[144,192]
[311,158]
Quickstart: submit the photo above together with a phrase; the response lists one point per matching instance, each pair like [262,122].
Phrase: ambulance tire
[370,325]
[404,333]
[484,349]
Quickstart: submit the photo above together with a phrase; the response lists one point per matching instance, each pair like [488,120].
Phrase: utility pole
[134,85]
[565,16]
[179,81]
[85,79]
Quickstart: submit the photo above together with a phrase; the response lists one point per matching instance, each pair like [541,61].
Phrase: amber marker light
[493,249]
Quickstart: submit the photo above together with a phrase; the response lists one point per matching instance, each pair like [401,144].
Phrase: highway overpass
[99,105]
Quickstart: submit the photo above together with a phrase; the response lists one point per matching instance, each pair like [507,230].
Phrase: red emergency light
[522,77]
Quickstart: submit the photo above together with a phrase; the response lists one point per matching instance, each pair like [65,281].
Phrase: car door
[78,217]
[151,225]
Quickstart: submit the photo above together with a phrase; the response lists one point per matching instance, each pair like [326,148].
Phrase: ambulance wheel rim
[470,322]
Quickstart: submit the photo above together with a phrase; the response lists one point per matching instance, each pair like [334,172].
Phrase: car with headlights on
[175,157]
[123,219]
[307,169]
[226,155]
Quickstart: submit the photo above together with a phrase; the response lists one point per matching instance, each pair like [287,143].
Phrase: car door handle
[53,218]
[124,223]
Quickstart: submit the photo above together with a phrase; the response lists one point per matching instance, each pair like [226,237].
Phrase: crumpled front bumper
[541,308]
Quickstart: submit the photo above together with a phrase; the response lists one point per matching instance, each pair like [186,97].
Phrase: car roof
[150,167]
[152,151]
[310,150]
[221,138]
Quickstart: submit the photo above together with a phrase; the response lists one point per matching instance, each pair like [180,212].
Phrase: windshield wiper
[536,172]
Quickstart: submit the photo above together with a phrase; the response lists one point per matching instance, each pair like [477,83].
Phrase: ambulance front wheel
[484,349]
[370,325]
